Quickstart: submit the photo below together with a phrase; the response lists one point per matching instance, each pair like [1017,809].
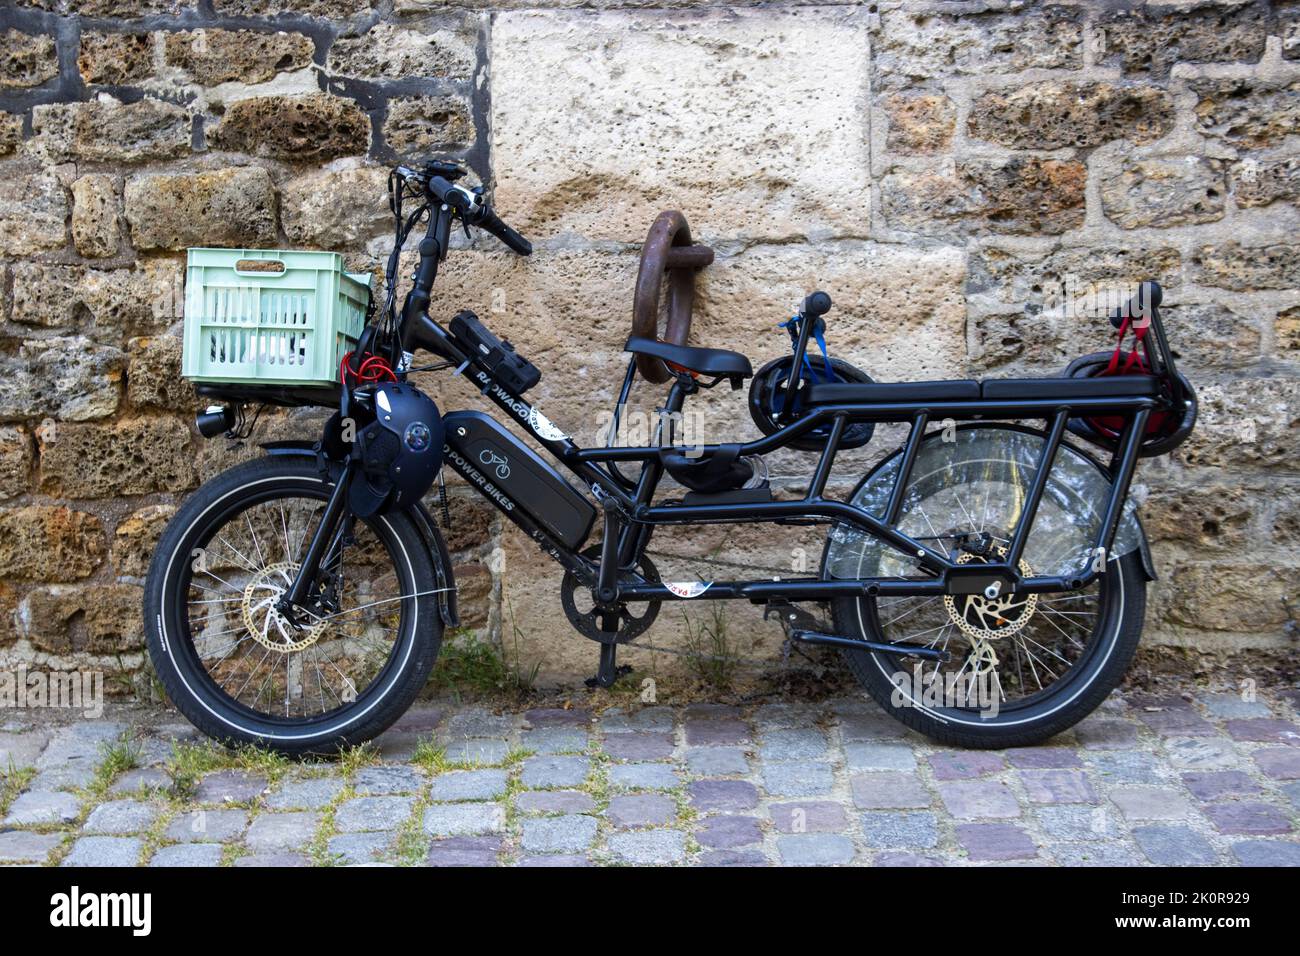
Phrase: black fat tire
[1082,690]
[186,681]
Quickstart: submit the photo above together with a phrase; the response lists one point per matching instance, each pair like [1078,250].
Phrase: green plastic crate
[290,325]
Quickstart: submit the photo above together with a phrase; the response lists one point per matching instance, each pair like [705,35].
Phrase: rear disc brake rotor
[630,624]
[985,619]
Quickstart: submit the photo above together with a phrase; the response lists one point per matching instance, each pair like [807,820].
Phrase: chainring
[587,623]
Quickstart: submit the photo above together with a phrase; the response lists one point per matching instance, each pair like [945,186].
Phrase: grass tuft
[710,655]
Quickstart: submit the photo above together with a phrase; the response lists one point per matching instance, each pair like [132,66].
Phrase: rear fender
[1144,549]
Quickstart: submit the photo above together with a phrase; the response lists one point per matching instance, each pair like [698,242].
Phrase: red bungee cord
[373,369]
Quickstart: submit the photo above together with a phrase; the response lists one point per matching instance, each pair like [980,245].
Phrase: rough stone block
[26,59]
[130,457]
[1165,192]
[1246,112]
[49,542]
[1021,194]
[1152,38]
[33,211]
[223,207]
[244,56]
[389,51]
[115,59]
[94,618]
[930,44]
[107,130]
[1059,114]
[300,127]
[95,212]
[791,161]
[337,208]
[419,126]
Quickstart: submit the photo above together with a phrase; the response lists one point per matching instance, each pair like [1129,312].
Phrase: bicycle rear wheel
[1023,667]
[236,667]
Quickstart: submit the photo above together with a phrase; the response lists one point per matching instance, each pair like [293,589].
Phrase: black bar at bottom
[815,589]
[834,640]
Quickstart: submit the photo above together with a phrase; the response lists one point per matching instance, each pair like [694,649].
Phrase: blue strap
[820,335]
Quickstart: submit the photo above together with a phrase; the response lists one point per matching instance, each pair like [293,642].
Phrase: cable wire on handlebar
[389,326]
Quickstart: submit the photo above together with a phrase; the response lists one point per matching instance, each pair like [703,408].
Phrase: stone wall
[951,172]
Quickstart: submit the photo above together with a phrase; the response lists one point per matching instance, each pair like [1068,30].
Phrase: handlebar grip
[1149,296]
[493,224]
[817,304]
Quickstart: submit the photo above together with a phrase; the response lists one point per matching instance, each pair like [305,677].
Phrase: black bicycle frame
[631,516]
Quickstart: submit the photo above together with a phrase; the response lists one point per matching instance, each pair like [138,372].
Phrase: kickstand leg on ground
[609,670]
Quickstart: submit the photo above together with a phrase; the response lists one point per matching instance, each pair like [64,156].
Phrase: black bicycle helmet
[1165,430]
[767,400]
[400,451]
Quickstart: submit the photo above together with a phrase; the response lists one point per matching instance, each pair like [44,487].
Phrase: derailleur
[795,621]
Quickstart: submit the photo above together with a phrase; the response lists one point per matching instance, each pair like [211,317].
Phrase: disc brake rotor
[990,619]
[265,623]
[630,625]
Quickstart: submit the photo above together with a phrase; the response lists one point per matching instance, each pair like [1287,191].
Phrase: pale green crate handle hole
[259,267]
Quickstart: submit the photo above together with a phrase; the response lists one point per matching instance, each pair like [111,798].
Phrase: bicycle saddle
[720,362]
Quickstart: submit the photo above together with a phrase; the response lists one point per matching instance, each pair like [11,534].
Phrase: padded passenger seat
[1108,386]
[996,389]
[837,393]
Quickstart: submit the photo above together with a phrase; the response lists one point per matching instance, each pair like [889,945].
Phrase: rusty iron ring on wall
[667,250]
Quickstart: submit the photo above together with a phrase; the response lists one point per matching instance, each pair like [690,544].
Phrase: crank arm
[834,640]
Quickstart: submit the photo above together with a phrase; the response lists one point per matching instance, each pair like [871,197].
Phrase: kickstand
[792,618]
[609,670]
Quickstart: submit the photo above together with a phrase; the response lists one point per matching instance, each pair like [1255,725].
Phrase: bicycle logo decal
[688,589]
[492,459]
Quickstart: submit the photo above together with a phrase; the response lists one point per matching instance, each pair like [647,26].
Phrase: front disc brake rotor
[265,623]
[630,625]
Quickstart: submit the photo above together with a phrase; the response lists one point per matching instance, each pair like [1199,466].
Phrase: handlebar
[437,179]
[1142,305]
[490,221]
[816,305]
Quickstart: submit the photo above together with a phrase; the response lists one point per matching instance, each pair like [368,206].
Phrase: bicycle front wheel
[243,673]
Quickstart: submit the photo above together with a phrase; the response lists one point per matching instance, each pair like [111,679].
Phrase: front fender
[434,544]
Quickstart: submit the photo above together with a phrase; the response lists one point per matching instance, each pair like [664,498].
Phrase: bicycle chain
[787,648]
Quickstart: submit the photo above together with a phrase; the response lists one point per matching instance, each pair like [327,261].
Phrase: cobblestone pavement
[1142,781]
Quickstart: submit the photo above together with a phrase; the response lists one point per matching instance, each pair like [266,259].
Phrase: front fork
[305,586]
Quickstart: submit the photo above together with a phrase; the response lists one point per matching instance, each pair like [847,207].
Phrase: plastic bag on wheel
[977,479]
